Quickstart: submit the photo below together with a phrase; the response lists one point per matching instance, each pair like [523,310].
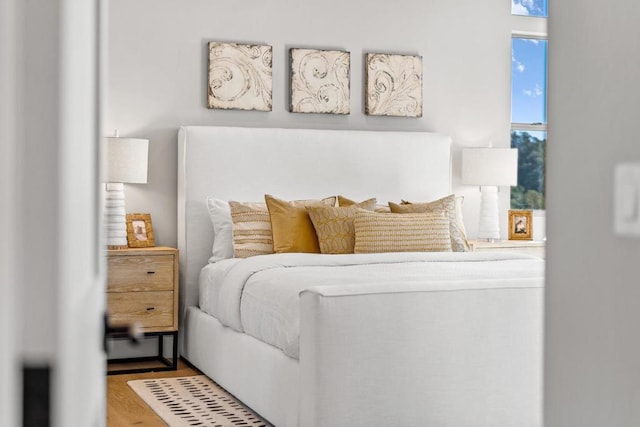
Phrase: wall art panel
[320,81]
[240,76]
[393,85]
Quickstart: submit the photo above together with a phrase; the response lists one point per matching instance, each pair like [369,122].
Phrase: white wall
[158,69]
[593,286]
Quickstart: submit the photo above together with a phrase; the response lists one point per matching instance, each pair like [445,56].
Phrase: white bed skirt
[258,374]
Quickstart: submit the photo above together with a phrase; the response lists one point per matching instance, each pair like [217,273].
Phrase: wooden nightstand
[528,247]
[142,288]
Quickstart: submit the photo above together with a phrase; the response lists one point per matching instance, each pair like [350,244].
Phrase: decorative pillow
[220,214]
[382,208]
[291,226]
[334,226]
[368,204]
[452,206]
[251,229]
[414,232]
[343,201]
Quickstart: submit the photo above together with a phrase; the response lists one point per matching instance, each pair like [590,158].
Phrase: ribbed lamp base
[115,217]
[489,227]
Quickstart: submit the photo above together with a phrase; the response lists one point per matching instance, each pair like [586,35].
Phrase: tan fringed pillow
[343,201]
[416,232]
[369,204]
[291,226]
[251,229]
[334,226]
[452,206]
[382,208]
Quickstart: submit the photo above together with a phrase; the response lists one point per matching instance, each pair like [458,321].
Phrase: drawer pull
[150,308]
[151,272]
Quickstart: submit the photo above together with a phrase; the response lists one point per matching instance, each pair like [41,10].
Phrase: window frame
[532,16]
[539,32]
[515,126]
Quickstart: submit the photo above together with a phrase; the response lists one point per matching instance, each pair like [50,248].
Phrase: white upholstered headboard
[245,163]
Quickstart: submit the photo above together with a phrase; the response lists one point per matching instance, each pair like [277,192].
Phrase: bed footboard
[398,356]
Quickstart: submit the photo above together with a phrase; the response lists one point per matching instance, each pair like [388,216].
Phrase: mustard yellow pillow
[452,206]
[413,232]
[291,226]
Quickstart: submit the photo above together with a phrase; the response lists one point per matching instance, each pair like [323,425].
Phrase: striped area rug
[195,401]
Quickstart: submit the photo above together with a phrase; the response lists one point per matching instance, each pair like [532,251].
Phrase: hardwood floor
[125,408]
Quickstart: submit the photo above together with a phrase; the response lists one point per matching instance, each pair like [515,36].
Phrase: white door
[58,257]
[79,391]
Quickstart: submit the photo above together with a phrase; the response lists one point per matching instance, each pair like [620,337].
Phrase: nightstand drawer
[140,273]
[150,309]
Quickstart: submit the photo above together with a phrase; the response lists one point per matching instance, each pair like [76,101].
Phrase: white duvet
[260,295]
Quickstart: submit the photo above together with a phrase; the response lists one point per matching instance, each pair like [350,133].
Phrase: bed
[414,339]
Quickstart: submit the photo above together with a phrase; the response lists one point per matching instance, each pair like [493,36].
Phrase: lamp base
[489,227]
[115,217]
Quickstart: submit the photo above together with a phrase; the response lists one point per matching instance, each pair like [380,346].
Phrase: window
[529,7]
[529,108]
[531,145]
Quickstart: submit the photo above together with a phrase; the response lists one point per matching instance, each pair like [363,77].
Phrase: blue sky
[528,80]
[529,7]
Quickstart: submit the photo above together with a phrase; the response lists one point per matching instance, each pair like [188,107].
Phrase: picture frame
[240,76]
[320,81]
[140,230]
[393,85]
[520,224]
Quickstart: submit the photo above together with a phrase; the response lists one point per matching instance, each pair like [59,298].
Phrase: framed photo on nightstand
[520,225]
[139,231]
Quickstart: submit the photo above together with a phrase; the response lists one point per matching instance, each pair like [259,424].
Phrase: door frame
[9,366]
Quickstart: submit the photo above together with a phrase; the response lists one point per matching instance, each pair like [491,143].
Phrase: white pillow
[220,214]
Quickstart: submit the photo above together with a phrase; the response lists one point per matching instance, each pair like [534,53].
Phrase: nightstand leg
[174,365]
[161,346]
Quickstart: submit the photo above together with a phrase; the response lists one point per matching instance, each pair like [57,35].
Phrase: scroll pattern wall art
[393,85]
[320,81]
[240,76]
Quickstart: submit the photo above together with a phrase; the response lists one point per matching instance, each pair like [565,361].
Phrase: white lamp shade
[490,166]
[127,160]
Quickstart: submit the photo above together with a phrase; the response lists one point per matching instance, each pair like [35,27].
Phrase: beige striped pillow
[452,206]
[421,232]
[251,229]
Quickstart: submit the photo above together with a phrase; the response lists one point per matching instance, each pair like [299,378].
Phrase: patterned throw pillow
[291,226]
[251,229]
[414,232]
[334,226]
[452,206]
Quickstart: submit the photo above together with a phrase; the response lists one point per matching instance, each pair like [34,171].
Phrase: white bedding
[260,295]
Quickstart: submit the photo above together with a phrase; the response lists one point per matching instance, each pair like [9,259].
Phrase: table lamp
[489,168]
[127,163]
